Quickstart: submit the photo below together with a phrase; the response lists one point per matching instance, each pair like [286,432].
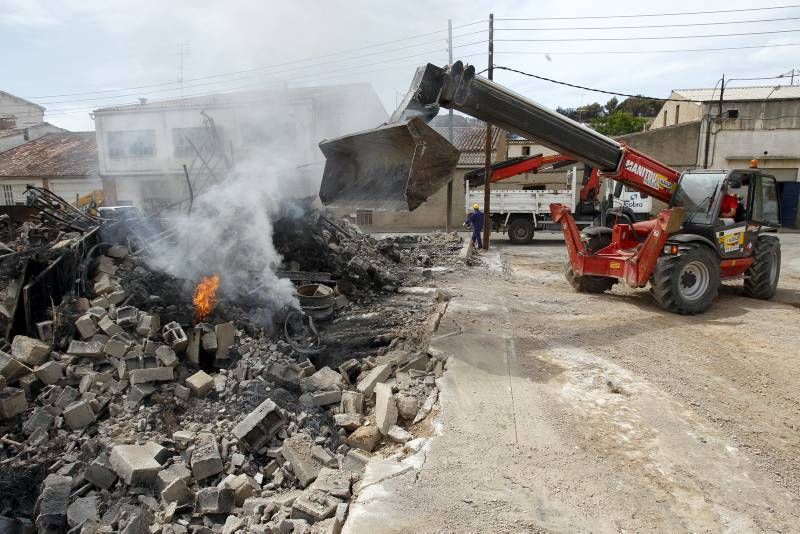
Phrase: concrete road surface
[569,412]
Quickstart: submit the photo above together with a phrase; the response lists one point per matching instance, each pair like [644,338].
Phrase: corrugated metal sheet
[771,92]
[55,154]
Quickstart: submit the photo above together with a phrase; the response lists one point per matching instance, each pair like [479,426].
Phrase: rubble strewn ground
[133,416]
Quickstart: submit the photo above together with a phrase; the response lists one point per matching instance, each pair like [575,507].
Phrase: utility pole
[449,222]
[487,173]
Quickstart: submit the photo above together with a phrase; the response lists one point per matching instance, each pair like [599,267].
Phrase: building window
[733,113]
[364,217]
[184,139]
[677,113]
[526,151]
[8,195]
[132,144]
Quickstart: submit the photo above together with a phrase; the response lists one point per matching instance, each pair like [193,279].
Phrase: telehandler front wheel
[686,283]
[761,279]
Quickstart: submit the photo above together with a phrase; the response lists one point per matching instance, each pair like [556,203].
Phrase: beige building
[21,121]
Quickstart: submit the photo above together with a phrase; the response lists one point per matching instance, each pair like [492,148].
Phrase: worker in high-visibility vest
[475,219]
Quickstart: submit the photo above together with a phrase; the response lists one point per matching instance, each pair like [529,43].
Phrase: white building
[143,148]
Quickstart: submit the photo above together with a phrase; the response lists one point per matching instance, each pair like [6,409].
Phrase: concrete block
[135,464]
[116,297]
[233,524]
[324,398]
[127,316]
[385,408]
[12,402]
[225,334]
[407,407]
[182,392]
[259,426]
[183,437]
[66,396]
[352,402]
[166,356]
[334,482]
[78,415]
[109,327]
[153,374]
[81,510]
[399,435]
[193,336]
[44,329]
[148,324]
[38,420]
[375,376]
[51,506]
[206,460]
[364,438]
[348,421]
[297,450]
[209,341]
[325,457]
[29,351]
[117,347]
[355,461]
[100,473]
[85,326]
[86,349]
[159,452]
[10,368]
[102,284]
[138,392]
[176,471]
[100,302]
[50,372]
[200,383]
[214,501]
[313,507]
[174,336]
[176,491]
[326,379]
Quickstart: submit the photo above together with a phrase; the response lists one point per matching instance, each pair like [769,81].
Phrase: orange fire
[205,297]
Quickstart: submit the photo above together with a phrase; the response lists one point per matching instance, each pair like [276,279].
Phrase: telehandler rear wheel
[686,283]
[595,240]
[761,279]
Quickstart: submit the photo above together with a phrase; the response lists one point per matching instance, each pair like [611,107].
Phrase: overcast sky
[57,47]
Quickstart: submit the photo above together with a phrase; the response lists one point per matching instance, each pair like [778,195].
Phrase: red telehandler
[716,226]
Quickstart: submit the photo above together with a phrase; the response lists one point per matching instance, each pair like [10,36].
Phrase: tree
[611,105]
[640,106]
[619,123]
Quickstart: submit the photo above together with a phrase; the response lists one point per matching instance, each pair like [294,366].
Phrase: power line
[593,52]
[682,25]
[673,14]
[294,62]
[646,38]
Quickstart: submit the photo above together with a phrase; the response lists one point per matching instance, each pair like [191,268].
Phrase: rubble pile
[141,419]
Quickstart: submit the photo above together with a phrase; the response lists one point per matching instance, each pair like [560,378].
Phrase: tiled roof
[471,141]
[55,154]
[771,92]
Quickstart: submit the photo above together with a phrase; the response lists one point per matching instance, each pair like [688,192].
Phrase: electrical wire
[294,62]
[646,38]
[593,52]
[673,14]
[648,26]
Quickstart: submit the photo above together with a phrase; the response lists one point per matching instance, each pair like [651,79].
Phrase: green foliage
[618,123]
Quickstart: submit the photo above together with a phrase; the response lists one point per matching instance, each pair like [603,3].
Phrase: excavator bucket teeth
[394,167]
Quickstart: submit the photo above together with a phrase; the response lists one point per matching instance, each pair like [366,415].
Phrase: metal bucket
[394,167]
[317,300]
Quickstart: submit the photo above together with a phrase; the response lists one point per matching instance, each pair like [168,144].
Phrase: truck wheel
[688,282]
[586,283]
[761,279]
[520,231]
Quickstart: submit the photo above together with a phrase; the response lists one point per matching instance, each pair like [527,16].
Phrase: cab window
[765,208]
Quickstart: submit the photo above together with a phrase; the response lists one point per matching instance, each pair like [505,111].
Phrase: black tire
[520,231]
[686,283]
[596,238]
[761,279]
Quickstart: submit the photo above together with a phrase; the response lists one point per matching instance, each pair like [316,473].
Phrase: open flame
[205,297]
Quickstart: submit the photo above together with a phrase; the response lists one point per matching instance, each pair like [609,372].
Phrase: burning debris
[163,404]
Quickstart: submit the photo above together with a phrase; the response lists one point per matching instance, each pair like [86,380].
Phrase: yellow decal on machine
[731,240]
[615,265]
